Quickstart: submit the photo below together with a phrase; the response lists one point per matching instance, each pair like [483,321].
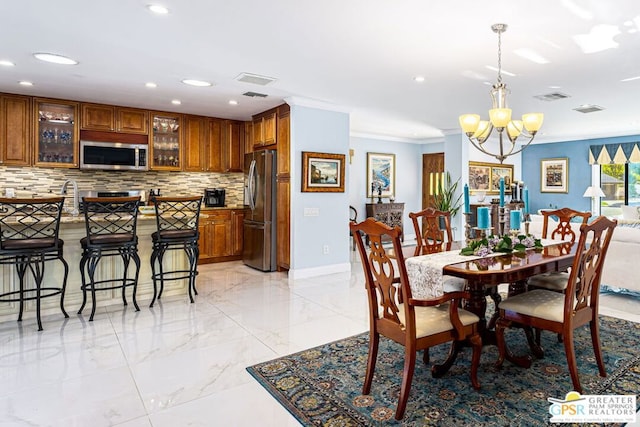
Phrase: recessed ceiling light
[198,83]
[159,9]
[151,85]
[176,102]
[630,79]
[419,79]
[55,59]
[233,102]
[25,83]
[7,63]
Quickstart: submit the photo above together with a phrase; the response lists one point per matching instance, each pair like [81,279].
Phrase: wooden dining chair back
[563,313]
[563,229]
[393,313]
[433,231]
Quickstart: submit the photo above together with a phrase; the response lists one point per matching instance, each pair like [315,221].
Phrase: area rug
[322,386]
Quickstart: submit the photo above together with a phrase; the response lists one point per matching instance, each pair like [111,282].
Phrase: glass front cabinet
[166,142]
[57,134]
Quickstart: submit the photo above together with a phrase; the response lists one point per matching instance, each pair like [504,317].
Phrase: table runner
[425,271]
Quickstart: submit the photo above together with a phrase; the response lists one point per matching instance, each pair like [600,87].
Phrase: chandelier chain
[499,57]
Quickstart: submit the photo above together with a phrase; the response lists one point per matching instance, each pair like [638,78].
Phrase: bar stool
[111,231]
[177,222]
[28,239]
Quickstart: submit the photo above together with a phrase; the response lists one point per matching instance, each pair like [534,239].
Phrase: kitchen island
[72,229]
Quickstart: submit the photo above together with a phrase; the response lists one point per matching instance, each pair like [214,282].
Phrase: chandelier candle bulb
[514,219]
[501,192]
[467,206]
[483,217]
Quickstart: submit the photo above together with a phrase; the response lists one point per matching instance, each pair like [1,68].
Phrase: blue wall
[325,131]
[408,188]
[579,171]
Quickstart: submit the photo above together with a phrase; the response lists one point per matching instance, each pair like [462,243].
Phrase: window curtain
[604,154]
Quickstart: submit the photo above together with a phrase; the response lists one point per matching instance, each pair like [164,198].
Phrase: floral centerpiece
[504,244]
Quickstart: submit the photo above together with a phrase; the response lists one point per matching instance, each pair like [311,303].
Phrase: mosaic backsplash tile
[39,182]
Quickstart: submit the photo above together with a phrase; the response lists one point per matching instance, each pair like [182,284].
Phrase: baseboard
[303,273]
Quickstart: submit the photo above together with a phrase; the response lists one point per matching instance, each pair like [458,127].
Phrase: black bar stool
[28,239]
[177,221]
[111,231]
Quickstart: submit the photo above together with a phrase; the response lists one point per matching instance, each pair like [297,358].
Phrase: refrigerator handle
[252,185]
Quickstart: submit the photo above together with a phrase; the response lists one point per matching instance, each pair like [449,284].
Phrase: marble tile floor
[181,364]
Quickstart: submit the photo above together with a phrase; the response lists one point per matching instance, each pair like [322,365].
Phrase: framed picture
[381,175]
[554,175]
[485,177]
[322,172]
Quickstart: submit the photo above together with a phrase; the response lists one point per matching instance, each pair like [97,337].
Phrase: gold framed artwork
[381,175]
[485,177]
[554,175]
[322,172]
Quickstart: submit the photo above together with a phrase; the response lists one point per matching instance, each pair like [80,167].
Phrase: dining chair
[562,313]
[353,217]
[557,281]
[433,230]
[413,323]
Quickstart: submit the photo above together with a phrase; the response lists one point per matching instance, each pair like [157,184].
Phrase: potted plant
[445,198]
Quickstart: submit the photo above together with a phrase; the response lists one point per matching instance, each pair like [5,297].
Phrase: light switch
[311,211]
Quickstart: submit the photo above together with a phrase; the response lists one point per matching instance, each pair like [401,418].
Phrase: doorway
[432,173]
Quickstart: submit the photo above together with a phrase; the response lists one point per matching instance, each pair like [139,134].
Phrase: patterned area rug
[322,386]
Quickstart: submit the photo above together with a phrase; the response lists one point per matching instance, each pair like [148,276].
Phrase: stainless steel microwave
[114,156]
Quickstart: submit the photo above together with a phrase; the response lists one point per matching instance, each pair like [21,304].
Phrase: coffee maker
[214,197]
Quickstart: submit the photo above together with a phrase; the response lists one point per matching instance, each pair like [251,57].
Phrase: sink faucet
[76,205]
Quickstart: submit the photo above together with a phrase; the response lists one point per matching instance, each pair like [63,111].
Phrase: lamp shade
[469,123]
[593,192]
[500,117]
[532,122]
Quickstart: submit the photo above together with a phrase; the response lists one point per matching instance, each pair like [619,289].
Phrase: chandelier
[478,131]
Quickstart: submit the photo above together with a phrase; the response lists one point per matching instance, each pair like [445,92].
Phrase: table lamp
[593,192]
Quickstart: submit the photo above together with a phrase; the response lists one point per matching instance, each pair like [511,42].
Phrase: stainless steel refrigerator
[260,222]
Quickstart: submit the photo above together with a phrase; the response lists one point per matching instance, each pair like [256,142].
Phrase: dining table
[483,274]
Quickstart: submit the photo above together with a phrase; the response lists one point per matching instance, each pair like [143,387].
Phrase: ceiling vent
[553,96]
[589,108]
[255,94]
[255,79]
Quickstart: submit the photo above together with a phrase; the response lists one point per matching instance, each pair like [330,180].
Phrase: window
[621,186]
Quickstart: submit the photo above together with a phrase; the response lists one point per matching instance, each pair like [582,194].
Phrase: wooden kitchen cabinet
[97,117]
[15,130]
[113,118]
[56,133]
[264,129]
[233,146]
[195,135]
[221,235]
[132,120]
[283,189]
[237,232]
[165,141]
[248,137]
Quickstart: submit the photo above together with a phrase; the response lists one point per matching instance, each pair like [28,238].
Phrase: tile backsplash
[27,181]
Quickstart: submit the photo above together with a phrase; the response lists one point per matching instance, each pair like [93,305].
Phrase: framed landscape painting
[322,172]
[381,174]
[485,177]
[554,175]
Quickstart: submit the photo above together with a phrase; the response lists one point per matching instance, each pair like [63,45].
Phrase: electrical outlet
[325,249]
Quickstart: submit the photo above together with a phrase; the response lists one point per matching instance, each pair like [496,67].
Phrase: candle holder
[527,220]
[501,219]
[481,233]
[467,227]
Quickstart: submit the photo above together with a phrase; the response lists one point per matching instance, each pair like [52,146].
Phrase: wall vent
[255,94]
[553,96]
[588,108]
[255,79]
